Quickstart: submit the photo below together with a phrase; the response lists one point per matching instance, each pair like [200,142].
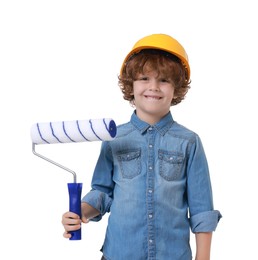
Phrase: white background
[59,60]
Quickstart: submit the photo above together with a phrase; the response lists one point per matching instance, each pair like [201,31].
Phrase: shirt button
[150,215]
[150,145]
[150,191]
[150,168]
[151,241]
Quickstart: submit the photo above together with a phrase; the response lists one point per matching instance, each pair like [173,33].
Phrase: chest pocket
[130,163]
[170,165]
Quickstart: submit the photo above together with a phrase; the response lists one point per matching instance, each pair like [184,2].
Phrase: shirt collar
[162,126]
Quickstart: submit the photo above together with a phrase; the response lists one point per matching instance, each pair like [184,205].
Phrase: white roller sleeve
[103,129]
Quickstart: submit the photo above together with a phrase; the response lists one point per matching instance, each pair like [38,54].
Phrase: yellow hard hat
[161,42]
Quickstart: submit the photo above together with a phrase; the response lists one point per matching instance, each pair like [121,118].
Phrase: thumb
[85,220]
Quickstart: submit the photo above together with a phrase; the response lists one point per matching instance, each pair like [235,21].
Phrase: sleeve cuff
[205,222]
[99,201]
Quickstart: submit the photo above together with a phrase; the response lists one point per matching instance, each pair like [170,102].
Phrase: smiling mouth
[152,97]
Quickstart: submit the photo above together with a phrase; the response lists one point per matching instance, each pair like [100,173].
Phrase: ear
[132,103]
[175,95]
[174,99]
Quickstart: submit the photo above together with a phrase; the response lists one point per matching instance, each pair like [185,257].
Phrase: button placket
[150,194]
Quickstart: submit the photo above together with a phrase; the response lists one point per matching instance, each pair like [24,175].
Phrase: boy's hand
[71,221]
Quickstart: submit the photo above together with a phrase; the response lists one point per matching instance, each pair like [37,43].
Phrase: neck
[150,119]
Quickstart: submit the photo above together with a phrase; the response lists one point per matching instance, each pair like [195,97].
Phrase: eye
[165,80]
[143,78]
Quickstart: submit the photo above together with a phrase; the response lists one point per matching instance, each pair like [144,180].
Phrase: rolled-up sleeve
[205,221]
[203,217]
[98,200]
[101,195]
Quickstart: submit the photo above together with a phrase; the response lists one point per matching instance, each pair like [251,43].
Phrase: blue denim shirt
[154,181]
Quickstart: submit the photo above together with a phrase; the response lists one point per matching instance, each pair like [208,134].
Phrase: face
[152,96]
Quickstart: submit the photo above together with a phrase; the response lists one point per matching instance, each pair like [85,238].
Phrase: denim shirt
[154,180]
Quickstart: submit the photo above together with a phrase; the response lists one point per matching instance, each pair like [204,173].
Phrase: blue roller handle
[75,190]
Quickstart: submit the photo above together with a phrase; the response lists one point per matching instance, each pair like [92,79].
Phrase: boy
[153,178]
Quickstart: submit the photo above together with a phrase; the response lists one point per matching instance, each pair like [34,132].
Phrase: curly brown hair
[165,64]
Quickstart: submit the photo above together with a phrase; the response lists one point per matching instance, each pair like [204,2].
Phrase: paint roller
[103,129]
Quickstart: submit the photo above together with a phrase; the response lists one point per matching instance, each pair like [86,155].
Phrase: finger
[69,228]
[71,221]
[70,214]
[85,220]
[71,224]
[67,235]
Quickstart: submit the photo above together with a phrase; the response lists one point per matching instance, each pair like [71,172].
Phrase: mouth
[152,97]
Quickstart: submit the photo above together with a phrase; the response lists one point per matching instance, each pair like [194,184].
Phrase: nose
[154,85]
